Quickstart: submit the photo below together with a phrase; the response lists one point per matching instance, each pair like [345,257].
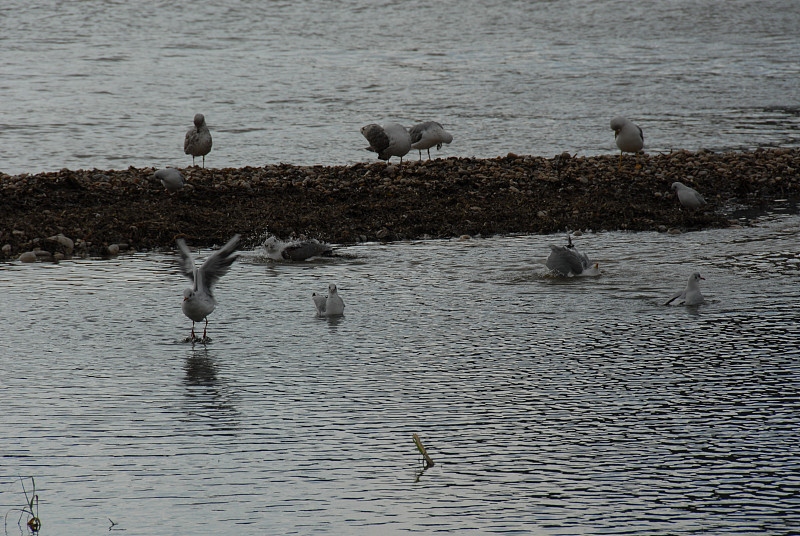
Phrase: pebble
[28,256]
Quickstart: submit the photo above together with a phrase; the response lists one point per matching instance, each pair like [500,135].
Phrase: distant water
[550,406]
[107,84]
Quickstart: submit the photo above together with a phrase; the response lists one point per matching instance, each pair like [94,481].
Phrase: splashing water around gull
[568,261]
[629,137]
[198,139]
[330,305]
[691,294]
[426,135]
[198,301]
[689,197]
[391,139]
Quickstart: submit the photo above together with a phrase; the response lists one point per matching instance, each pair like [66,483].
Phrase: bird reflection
[200,369]
[206,397]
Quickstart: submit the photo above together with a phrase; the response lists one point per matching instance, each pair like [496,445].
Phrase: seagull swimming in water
[170,178]
[689,197]
[198,301]
[567,260]
[426,135]
[629,137]
[198,139]
[330,305]
[391,139]
[691,294]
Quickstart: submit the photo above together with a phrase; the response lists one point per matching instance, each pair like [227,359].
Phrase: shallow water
[550,406]
[109,85]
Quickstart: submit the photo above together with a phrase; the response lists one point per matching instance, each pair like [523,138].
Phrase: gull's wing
[377,138]
[563,260]
[185,263]
[218,263]
[304,250]
[319,303]
[681,294]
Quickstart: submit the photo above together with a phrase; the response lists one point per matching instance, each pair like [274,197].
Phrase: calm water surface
[107,84]
[551,406]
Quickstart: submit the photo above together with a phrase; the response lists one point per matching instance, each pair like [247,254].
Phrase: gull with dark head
[426,135]
[198,301]
[691,294]
[391,139]
[198,139]
[689,197]
[330,305]
[629,137]
[568,261]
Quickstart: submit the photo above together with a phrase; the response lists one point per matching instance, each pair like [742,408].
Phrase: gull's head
[677,186]
[617,123]
[694,279]
[199,120]
[332,288]
[187,294]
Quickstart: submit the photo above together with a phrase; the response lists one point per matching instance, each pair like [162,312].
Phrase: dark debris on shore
[98,212]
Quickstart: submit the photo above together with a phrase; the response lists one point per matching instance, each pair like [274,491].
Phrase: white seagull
[691,294]
[426,135]
[170,178]
[628,135]
[689,197]
[198,301]
[198,139]
[391,139]
[567,260]
[330,305]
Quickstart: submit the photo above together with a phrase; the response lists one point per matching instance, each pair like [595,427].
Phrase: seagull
[426,135]
[691,294]
[170,178]
[567,260]
[198,301]
[689,197]
[198,139]
[391,139]
[629,137]
[330,305]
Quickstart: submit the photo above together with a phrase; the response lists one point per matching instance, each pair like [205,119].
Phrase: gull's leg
[204,328]
[429,153]
[620,160]
[420,154]
[193,335]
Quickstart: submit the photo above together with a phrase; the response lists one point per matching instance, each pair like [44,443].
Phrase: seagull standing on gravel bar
[426,135]
[391,139]
[689,197]
[629,137]
[330,305]
[198,301]
[198,139]
[170,178]
[691,294]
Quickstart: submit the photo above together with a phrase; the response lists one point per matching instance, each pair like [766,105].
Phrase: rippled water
[109,84]
[550,406]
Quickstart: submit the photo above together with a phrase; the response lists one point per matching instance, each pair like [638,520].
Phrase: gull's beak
[185,298]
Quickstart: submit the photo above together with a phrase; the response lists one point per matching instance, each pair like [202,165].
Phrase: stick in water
[428,460]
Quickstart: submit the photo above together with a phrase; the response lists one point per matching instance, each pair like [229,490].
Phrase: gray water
[106,84]
[549,405]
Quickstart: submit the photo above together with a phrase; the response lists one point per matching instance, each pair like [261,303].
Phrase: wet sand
[105,212]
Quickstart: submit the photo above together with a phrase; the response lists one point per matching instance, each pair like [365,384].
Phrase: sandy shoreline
[120,210]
